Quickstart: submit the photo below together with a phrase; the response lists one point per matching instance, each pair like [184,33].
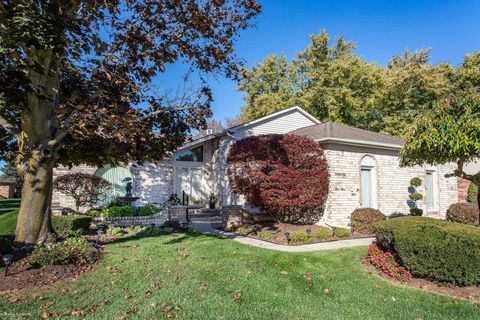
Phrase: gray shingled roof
[330,131]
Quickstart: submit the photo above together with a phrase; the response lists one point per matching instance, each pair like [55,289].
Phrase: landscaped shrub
[72,250]
[429,248]
[472,193]
[118,211]
[85,189]
[265,235]
[244,230]
[117,231]
[93,213]
[416,182]
[300,237]
[463,213]
[148,210]
[342,233]
[285,174]
[68,225]
[362,219]
[386,263]
[174,224]
[416,211]
[323,233]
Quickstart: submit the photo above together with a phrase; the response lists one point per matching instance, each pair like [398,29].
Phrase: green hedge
[434,249]
[66,225]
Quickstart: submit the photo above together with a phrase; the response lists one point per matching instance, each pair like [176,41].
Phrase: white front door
[189,180]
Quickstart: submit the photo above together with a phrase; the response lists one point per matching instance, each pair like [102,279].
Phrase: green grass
[8,216]
[202,277]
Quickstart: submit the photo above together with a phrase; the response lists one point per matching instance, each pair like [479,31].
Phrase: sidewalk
[205,226]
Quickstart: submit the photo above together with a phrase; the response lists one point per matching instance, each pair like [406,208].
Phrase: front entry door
[189,180]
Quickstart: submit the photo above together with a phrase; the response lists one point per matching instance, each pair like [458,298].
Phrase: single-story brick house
[364,170]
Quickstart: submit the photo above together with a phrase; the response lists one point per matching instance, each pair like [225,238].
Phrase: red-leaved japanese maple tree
[287,175]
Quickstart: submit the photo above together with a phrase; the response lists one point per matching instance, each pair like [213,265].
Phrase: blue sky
[380,28]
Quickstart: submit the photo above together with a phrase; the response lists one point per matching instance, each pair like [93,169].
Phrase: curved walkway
[206,226]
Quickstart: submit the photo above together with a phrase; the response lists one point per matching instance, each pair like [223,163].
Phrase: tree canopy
[76,83]
[334,84]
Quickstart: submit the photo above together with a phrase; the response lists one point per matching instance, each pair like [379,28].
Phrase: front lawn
[8,216]
[202,277]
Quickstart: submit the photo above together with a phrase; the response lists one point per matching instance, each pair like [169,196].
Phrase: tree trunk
[478,202]
[34,223]
[37,149]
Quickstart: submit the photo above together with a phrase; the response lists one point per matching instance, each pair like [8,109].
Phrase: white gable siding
[280,124]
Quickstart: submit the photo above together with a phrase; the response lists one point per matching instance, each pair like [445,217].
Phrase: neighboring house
[7,188]
[364,170]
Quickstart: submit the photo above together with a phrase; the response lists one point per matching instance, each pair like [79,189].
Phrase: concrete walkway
[208,226]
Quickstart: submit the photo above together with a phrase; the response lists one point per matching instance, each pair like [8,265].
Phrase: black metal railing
[184,198]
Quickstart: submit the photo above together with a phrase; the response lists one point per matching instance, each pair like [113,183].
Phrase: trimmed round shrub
[463,213]
[434,249]
[416,182]
[416,211]
[342,233]
[472,193]
[287,175]
[362,219]
[67,225]
[415,196]
[300,237]
[323,233]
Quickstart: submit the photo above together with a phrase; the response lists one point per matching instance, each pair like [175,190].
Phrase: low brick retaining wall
[178,213]
[238,216]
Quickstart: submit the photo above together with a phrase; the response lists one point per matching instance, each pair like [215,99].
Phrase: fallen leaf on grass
[237,297]
[326,290]
[285,273]
[308,277]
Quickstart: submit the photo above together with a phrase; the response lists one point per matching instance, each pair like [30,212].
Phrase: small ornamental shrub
[266,235]
[300,237]
[71,225]
[174,199]
[73,250]
[174,224]
[118,211]
[85,189]
[439,250]
[472,193]
[287,175]
[416,211]
[385,262]
[342,233]
[323,233]
[463,213]
[362,219]
[93,213]
[244,231]
[416,182]
[415,196]
[148,210]
[117,231]
[164,230]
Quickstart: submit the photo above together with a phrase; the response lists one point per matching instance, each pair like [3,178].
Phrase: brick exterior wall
[391,183]
[6,190]
[462,186]
[152,183]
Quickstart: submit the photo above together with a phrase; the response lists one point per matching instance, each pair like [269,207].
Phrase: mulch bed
[278,230]
[21,275]
[472,293]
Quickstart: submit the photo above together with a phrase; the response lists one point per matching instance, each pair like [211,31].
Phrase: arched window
[118,177]
[367,183]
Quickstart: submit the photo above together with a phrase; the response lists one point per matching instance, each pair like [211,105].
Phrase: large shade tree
[75,84]
[448,133]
